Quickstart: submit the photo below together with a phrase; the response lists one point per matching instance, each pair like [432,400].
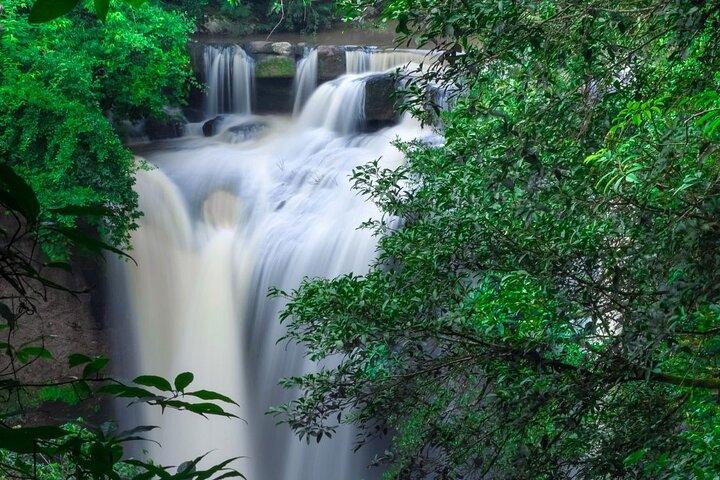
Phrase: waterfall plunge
[229,74]
[305,79]
[223,223]
[338,105]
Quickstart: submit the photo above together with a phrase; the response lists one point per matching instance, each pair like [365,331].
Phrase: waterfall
[357,61]
[374,60]
[223,223]
[229,74]
[305,79]
[338,105]
[225,219]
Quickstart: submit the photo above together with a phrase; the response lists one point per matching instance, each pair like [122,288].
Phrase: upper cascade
[305,79]
[338,105]
[376,61]
[344,89]
[229,75]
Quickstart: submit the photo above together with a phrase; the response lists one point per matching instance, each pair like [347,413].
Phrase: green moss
[275,66]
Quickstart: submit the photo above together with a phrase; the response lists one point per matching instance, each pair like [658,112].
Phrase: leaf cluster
[545,300]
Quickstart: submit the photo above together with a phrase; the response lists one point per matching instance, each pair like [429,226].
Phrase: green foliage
[260,16]
[64,83]
[549,307]
[305,15]
[275,67]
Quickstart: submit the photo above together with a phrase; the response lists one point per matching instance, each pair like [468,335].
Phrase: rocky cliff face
[65,323]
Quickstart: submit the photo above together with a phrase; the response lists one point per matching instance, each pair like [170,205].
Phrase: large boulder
[274,66]
[171,126]
[380,105]
[212,126]
[282,48]
[159,130]
[258,47]
[193,115]
[331,62]
[245,131]
[299,49]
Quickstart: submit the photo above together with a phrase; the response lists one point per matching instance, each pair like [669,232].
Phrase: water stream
[265,202]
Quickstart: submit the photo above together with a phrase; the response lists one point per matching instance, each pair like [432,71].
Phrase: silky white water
[229,74]
[305,79]
[373,60]
[223,222]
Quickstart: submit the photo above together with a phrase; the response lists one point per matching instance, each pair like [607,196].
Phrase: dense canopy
[545,303]
[65,89]
[549,306]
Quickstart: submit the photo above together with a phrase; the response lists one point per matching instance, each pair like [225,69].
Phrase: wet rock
[193,115]
[161,129]
[258,47]
[273,95]
[212,126]
[282,48]
[380,99]
[274,66]
[196,98]
[197,52]
[331,62]
[299,49]
[245,131]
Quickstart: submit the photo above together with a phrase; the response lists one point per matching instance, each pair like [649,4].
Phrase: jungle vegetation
[66,190]
[548,307]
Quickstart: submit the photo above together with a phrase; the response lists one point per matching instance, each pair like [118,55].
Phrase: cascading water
[305,79]
[373,60]
[338,105]
[226,218]
[229,74]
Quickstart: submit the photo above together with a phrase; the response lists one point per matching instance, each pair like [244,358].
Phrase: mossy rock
[274,66]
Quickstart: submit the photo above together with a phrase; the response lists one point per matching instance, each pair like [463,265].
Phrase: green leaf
[7,314]
[78,359]
[31,353]
[186,467]
[135,3]
[65,394]
[82,389]
[46,10]
[210,395]
[17,194]
[230,474]
[95,366]
[183,380]
[125,391]
[207,408]
[154,381]
[635,457]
